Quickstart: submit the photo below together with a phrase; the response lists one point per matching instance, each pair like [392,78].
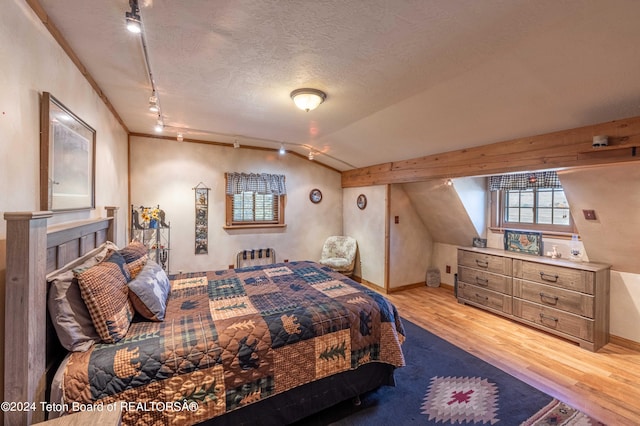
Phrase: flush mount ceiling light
[134,24]
[308,99]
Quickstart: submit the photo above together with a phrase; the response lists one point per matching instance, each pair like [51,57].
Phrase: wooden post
[25,306]
[111,232]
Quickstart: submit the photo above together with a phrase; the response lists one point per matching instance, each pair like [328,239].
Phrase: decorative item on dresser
[568,299]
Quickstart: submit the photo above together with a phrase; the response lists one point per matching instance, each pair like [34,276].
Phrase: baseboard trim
[625,343]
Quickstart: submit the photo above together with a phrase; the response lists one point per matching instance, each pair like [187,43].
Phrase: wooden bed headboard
[34,251]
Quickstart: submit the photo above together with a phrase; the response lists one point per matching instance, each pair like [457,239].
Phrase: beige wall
[32,63]
[165,171]
[410,243]
[368,228]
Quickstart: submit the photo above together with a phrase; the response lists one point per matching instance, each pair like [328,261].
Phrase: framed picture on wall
[315,196]
[67,158]
[361,201]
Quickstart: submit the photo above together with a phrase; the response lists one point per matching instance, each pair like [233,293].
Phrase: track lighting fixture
[134,23]
[153,103]
[179,138]
[159,125]
[282,151]
[236,144]
[310,155]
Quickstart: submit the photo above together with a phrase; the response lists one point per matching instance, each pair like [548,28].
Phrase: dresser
[565,298]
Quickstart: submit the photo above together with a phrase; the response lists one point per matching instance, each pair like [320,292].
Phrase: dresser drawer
[566,300]
[485,262]
[554,319]
[488,280]
[558,276]
[484,297]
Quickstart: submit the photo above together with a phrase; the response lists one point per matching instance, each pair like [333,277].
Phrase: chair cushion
[336,263]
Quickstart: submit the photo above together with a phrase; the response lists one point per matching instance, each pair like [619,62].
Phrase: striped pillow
[104,290]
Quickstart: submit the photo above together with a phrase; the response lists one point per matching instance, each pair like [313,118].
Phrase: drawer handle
[481,297]
[547,317]
[482,281]
[482,263]
[552,300]
[548,277]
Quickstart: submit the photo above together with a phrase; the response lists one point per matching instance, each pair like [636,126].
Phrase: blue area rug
[442,384]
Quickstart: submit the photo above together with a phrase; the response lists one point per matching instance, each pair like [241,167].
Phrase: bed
[269,344]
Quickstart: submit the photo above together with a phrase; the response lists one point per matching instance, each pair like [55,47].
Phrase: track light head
[153,104]
[159,125]
[282,151]
[134,23]
[311,155]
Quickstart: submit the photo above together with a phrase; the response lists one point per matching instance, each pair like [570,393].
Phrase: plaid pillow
[136,266]
[136,255]
[104,290]
[134,251]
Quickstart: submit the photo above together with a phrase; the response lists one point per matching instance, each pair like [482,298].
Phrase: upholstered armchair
[339,254]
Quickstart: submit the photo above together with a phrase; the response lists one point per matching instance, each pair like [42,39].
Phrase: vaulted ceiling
[404,78]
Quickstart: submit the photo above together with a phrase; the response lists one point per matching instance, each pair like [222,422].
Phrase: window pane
[513,215]
[526,198]
[561,216]
[526,215]
[513,198]
[545,216]
[559,199]
[545,198]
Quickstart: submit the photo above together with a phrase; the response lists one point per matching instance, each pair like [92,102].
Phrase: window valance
[548,179]
[262,183]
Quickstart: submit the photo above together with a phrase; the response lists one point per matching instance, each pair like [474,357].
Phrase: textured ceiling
[404,78]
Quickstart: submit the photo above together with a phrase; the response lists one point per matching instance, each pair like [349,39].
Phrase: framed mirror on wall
[67,158]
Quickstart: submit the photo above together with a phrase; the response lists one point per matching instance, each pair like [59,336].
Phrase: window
[251,207]
[533,201]
[254,200]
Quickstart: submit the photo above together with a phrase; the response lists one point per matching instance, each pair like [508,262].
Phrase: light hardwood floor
[605,384]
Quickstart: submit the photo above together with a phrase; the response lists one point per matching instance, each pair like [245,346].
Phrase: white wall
[368,228]
[165,172]
[32,63]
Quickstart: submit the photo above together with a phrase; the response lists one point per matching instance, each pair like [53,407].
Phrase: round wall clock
[315,196]
[361,201]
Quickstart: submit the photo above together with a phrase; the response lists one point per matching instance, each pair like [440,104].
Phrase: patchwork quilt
[233,337]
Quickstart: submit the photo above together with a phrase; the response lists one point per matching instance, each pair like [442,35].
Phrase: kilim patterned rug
[444,385]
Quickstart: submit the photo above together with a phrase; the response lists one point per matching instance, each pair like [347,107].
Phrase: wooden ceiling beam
[566,148]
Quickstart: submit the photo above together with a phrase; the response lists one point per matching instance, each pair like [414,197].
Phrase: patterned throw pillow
[136,255]
[149,291]
[105,292]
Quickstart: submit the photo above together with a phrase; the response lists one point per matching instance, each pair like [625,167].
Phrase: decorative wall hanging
[361,202]
[67,158]
[315,196]
[202,218]
[523,242]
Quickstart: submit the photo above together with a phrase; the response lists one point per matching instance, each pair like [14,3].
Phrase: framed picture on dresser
[523,242]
